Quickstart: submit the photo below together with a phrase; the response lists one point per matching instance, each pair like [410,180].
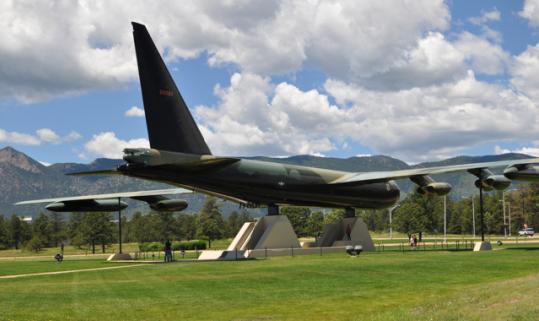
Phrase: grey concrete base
[119,256]
[220,255]
[335,234]
[482,246]
[267,233]
[271,232]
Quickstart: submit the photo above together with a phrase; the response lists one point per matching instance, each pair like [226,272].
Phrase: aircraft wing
[366,177]
[135,195]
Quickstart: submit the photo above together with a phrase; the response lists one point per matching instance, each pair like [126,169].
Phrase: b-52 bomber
[179,156]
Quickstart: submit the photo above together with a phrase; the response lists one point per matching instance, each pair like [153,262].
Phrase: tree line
[415,214]
[100,229]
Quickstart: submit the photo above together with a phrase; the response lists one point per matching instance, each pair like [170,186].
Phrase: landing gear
[273,209]
[349,212]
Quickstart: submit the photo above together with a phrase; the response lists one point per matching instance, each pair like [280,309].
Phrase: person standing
[168,251]
[349,232]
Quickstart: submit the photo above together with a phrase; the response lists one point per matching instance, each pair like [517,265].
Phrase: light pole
[504,222]
[391,220]
[509,212]
[445,218]
[473,217]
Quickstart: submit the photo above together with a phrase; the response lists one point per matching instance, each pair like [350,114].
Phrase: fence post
[266,252]
[292,250]
[236,253]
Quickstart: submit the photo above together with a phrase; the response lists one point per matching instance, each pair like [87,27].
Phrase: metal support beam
[120,224]
[481,211]
[473,217]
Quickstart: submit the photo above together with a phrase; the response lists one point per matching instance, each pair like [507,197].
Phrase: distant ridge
[23,178]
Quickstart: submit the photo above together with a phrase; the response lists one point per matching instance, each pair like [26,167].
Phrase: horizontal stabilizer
[108,196]
[106,172]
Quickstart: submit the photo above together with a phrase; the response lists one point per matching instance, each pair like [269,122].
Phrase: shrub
[35,244]
[176,246]
[189,245]
[151,247]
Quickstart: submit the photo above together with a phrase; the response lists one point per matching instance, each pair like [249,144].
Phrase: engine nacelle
[169,205]
[497,182]
[87,206]
[434,188]
[522,172]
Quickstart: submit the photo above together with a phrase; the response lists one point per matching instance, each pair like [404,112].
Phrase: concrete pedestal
[266,234]
[346,231]
[482,246]
[119,257]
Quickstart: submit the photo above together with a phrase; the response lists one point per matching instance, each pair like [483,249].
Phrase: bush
[189,245]
[176,246]
[35,244]
[151,247]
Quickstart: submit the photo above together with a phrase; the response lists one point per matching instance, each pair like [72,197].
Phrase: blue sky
[417,81]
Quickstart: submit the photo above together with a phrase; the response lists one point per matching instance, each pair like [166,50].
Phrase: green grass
[496,285]
[68,250]
[49,265]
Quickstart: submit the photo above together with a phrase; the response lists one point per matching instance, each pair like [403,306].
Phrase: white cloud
[530,150]
[72,136]
[437,121]
[416,124]
[18,138]
[486,16]
[256,118]
[483,56]
[48,135]
[43,135]
[531,12]
[525,71]
[107,145]
[343,39]
[135,112]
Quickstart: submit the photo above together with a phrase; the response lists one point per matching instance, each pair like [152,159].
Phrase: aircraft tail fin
[171,126]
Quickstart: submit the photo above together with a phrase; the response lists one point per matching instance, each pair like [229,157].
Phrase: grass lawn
[429,285]
[49,265]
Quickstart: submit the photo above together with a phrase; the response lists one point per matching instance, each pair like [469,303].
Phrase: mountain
[23,178]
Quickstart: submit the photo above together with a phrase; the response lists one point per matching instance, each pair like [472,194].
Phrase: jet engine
[497,182]
[489,180]
[525,172]
[428,186]
[168,205]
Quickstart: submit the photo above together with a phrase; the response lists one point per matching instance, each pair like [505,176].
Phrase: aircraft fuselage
[264,183]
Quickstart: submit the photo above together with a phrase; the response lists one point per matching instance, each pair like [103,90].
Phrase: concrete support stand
[482,246]
[335,234]
[119,257]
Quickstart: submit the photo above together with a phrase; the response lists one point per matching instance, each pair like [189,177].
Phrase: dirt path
[13,276]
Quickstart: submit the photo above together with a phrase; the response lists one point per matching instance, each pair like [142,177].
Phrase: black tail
[170,124]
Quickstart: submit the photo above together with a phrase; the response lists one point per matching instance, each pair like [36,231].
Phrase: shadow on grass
[524,248]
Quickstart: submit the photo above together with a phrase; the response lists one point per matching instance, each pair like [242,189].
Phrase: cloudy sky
[417,80]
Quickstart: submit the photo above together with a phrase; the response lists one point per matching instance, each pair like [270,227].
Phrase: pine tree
[210,223]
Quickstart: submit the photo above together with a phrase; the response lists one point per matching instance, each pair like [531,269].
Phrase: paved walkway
[13,276]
